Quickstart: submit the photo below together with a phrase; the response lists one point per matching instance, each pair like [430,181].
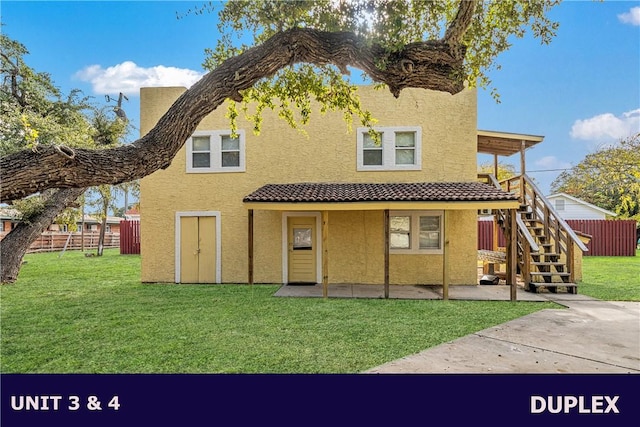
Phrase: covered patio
[424,292]
[384,197]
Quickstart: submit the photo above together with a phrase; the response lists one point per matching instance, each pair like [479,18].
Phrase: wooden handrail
[528,237]
[555,214]
[521,225]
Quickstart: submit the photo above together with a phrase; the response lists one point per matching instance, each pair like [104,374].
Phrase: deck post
[325,254]
[523,196]
[512,254]
[250,246]
[387,234]
[445,257]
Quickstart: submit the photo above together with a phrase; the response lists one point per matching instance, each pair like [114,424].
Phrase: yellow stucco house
[331,206]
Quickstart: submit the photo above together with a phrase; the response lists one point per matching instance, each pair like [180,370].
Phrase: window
[107,228]
[559,204]
[215,151]
[415,232]
[399,149]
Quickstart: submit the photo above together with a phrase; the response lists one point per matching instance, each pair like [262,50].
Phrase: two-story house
[332,206]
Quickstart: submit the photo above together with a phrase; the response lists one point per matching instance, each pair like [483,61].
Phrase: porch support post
[445,257]
[325,254]
[495,214]
[250,246]
[522,172]
[512,254]
[387,233]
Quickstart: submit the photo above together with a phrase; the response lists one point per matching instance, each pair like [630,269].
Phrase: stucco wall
[326,154]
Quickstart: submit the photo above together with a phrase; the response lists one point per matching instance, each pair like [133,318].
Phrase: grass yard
[611,278]
[92,315]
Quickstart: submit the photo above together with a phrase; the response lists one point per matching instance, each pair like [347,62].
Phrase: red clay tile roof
[386,192]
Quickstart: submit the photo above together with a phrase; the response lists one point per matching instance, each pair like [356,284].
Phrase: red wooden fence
[608,237]
[129,237]
[52,241]
[485,236]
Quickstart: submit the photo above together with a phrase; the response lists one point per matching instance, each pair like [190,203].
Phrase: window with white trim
[399,148]
[415,232]
[215,151]
[559,204]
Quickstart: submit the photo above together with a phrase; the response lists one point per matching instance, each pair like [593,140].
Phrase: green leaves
[34,112]
[388,25]
[608,178]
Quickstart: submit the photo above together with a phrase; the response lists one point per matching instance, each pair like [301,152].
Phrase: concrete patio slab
[456,292]
[590,336]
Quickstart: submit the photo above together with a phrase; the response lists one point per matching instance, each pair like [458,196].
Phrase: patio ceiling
[504,143]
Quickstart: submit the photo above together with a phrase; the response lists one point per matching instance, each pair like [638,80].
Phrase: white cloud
[632,17]
[607,126]
[128,77]
[551,163]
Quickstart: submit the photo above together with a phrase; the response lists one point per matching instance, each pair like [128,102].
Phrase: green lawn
[91,315]
[611,278]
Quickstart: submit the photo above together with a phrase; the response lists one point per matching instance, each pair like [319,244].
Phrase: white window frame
[559,204]
[414,233]
[388,145]
[215,153]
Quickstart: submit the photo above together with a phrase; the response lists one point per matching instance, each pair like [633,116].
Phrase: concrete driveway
[590,336]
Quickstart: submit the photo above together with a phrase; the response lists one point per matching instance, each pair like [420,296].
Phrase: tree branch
[435,65]
[461,23]
[15,244]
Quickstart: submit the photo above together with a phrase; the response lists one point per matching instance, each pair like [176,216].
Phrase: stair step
[538,263]
[571,288]
[547,254]
[550,273]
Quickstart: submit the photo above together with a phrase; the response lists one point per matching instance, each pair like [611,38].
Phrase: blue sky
[580,92]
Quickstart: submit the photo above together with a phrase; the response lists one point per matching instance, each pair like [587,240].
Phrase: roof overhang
[379,206]
[505,143]
[382,196]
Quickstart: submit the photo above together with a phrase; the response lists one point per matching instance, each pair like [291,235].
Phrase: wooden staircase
[546,244]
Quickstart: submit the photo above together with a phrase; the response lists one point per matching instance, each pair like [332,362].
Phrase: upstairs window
[215,151]
[399,149]
[559,204]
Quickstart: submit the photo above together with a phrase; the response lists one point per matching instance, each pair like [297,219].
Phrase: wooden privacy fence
[485,236]
[129,237]
[608,237]
[51,241]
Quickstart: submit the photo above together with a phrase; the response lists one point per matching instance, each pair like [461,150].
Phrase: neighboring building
[94,224]
[569,207]
[132,214]
[283,207]
[8,219]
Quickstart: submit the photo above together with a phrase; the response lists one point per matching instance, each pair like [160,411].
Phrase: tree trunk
[435,64]
[103,229]
[15,244]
